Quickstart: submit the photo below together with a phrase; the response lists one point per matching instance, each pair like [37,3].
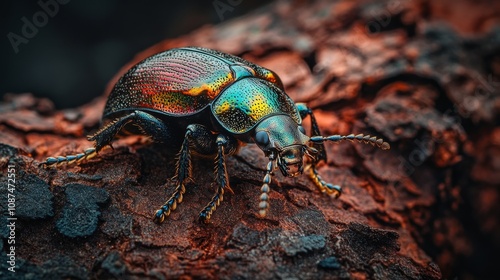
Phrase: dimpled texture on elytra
[173,82]
[250,100]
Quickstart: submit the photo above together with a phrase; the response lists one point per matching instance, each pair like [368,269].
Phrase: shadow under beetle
[219,101]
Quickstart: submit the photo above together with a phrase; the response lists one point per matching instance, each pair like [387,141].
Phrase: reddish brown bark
[426,209]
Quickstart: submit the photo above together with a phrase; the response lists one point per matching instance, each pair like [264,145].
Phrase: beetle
[219,101]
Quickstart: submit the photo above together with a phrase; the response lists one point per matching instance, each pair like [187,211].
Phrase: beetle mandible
[219,101]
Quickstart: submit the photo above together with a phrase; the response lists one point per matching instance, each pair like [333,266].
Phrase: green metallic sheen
[248,101]
[180,82]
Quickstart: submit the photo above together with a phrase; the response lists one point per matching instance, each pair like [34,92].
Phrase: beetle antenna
[264,195]
[367,139]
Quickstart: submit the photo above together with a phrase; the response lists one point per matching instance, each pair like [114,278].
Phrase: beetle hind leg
[147,123]
[102,137]
[70,159]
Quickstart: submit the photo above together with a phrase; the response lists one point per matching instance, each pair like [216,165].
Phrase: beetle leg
[103,137]
[221,177]
[305,111]
[69,159]
[323,186]
[319,155]
[147,123]
[313,173]
[182,174]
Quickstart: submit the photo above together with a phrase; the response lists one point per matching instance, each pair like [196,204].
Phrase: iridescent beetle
[219,101]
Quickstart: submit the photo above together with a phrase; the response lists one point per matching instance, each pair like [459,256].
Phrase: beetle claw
[204,217]
[159,216]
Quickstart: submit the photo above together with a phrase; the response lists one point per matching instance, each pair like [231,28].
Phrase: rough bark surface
[426,209]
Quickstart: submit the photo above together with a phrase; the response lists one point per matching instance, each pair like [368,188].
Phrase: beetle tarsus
[324,187]
[70,159]
[170,205]
[336,190]
[182,174]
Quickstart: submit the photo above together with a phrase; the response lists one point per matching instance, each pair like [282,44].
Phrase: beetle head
[280,137]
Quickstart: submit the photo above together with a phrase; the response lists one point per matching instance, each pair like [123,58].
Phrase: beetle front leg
[323,186]
[313,174]
[305,111]
[366,139]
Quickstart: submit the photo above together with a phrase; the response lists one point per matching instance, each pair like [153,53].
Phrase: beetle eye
[262,138]
[301,129]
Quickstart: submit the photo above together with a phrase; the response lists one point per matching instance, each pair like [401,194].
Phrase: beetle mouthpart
[311,152]
[294,170]
[290,161]
[290,170]
[282,167]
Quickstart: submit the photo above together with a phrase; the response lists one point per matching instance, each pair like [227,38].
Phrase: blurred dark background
[80,45]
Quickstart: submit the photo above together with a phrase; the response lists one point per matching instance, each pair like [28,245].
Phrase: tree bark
[426,209]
